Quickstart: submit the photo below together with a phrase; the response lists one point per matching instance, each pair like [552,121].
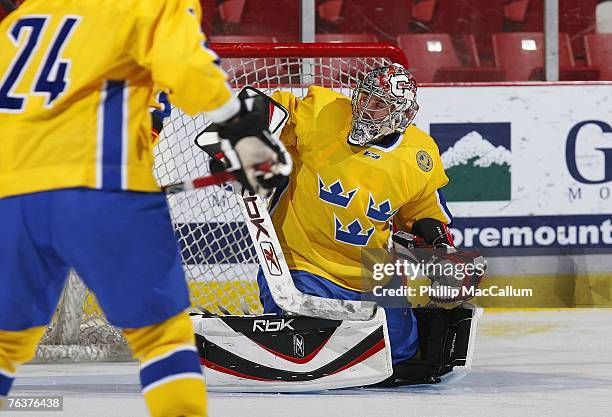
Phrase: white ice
[537,363]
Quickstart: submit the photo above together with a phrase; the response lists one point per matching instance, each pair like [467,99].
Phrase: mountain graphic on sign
[478,170]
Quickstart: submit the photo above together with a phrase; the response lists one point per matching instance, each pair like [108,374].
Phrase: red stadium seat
[277,18]
[329,10]
[427,53]
[423,10]
[598,48]
[480,18]
[521,55]
[516,10]
[345,37]
[433,59]
[242,39]
[230,11]
[254,67]
[384,18]
[576,18]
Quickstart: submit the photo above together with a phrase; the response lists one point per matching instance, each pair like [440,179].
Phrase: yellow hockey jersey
[340,198]
[76,79]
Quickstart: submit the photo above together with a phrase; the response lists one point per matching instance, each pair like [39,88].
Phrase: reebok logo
[272,262]
[272,325]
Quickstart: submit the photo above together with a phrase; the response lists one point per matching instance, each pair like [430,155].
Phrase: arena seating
[345,37]
[576,18]
[384,18]
[598,48]
[471,24]
[230,11]
[329,10]
[521,55]
[434,59]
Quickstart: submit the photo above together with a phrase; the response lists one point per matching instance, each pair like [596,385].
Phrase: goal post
[219,258]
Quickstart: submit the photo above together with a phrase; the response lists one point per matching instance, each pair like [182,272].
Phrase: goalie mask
[384,102]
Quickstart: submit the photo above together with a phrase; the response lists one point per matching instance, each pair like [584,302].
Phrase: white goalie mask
[384,102]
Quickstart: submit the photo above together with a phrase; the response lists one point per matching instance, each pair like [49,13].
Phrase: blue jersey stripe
[5,384]
[180,362]
[444,206]
[112,136]
[278,193]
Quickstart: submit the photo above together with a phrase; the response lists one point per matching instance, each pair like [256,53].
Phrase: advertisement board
[529,166]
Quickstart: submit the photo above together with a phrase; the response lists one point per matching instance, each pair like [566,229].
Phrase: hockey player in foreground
[359,166]
[76,183]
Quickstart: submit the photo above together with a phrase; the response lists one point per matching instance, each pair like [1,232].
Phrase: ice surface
[537,363]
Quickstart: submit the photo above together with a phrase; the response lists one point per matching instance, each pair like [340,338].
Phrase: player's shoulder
[415,138]
[125,8]
[324,95]
[420,152]
[151,8]
[330,111]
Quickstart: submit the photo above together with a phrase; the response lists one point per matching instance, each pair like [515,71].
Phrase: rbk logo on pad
[334,194]
[298,345]
[272,325]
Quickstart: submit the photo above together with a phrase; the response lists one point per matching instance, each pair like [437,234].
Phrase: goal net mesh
[218,256]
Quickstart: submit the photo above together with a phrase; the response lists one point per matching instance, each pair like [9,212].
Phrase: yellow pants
[171,377]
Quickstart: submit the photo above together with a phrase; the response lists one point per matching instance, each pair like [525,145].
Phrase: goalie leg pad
[270,353]
[446,346]
[401,323]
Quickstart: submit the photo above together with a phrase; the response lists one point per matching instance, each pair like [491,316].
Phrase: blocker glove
[454,274]
[257,158]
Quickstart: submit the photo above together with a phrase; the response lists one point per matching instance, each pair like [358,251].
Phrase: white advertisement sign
[530,166]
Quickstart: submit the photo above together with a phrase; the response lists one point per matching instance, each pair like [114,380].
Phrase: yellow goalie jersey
[76,82]
[340,198]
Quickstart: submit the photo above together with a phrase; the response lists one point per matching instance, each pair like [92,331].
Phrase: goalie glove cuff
[454,274]
[434,232]
[257,158]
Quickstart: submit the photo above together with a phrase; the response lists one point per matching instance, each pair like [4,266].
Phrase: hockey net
[218,256]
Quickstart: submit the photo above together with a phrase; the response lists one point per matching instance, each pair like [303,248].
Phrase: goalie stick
[267,245]
[213,179]
[278,277]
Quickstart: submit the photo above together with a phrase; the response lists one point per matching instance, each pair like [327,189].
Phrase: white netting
[219,260]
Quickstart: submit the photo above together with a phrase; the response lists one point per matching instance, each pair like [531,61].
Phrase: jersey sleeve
[290,102]
[170,43]
[431,202]
[431,206]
